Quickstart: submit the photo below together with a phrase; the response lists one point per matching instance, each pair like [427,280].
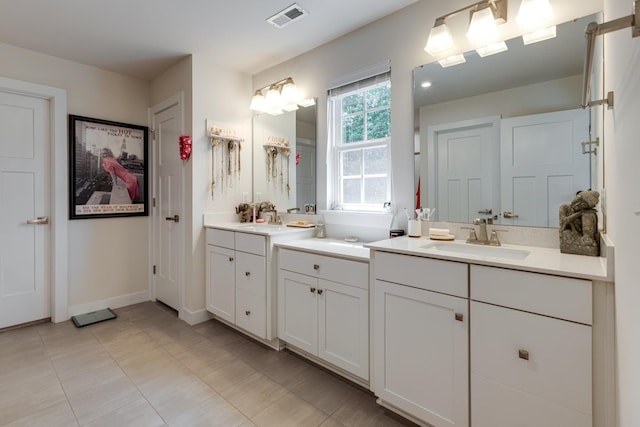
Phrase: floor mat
[94,317]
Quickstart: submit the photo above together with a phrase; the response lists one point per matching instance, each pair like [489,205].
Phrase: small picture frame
[108,171]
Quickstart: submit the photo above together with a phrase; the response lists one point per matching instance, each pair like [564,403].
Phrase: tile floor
[147,368]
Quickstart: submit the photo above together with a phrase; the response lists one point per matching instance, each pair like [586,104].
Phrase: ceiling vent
[287,16]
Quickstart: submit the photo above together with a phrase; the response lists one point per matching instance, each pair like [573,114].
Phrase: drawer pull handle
[248,273]
[320,291]
[316,267]
[459,317]
[248,312]
[312,290]
[230,259]
[523,354]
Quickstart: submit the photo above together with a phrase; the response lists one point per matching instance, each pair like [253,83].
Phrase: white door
[463,169]
[168,229]
[421,352]
[305,174]
[298,310]
[24,209]
[343,326]
[542,165]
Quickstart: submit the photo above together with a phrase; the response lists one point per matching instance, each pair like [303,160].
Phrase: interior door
[168,229]
[24,209]
[463,158]
[542,165]
[305,174]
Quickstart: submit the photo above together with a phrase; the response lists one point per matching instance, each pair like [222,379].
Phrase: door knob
[174,218]
[39,221]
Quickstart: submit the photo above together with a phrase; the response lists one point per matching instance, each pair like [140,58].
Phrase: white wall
[622,155]
[400,38]
[107,257]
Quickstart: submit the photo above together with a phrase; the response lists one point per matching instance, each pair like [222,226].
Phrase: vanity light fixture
[485,16]
[280,96]
[426,84]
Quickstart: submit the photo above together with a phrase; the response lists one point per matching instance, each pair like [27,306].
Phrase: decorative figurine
[579,225]
[244,212]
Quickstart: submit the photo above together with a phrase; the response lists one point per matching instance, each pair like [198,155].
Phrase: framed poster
[108,170]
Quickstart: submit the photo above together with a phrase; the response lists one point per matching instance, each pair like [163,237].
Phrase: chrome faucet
[481,238]
[273,217]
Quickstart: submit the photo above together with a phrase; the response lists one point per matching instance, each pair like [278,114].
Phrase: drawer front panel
[494,405]
[222,238]
[324,267]
[434,275]
[554,296]
[251,243]
[537,355]
[251,313]
[251,273]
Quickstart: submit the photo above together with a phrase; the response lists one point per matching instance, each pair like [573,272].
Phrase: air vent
[287,16]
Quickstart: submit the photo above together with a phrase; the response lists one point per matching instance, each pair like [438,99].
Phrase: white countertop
[333,247]
[539,260]
[259,228]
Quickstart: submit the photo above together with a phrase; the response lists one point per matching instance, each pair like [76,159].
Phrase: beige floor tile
[21,399]
[214,412]
[58,415]
[253,394]
[288,370]
[361,410]
[106,395]
[138,413]
[324,390]
[130,345]
[290,411]
[330,422]
[178,398]
[224,373]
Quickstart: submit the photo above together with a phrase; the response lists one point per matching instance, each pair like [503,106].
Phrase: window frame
[336,121]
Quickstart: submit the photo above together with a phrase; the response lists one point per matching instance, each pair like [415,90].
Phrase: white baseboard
[194,317]
[115,302]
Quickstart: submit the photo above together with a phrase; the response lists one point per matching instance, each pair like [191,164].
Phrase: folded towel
[438,231]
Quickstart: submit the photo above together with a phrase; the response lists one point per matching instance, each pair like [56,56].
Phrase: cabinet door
[421,353]
[298,310]
[251,312]
[343,327]
[220,290]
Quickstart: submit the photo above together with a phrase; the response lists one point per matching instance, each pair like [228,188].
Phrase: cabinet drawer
[251,273]
[558,369]
[561,297]
[251,312]
[434,275]
[222,238]
[325,267]
[494,404]
[251,243]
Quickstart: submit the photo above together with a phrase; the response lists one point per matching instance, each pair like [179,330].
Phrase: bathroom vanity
[482,336]
[241,276]
[323,304]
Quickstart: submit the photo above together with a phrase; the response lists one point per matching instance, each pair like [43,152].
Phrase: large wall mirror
[501,136]
[284,159]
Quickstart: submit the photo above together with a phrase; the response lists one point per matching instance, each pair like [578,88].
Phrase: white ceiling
[142,38]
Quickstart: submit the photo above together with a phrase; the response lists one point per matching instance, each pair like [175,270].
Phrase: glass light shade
[307,102]
[290,107]
[534,14]
[539,35]
[272,99]
[257,102]
[483,26]
[290,93]
[439,41]
[491,49]
[452,60]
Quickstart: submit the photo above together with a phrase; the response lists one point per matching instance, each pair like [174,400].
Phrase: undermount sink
[478,250]
[261,226]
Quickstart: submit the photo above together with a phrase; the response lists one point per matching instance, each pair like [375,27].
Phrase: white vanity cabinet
[236,288]
[531,349]
[421,337]
[323,308]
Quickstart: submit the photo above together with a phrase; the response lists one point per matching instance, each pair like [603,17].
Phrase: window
[360,137]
